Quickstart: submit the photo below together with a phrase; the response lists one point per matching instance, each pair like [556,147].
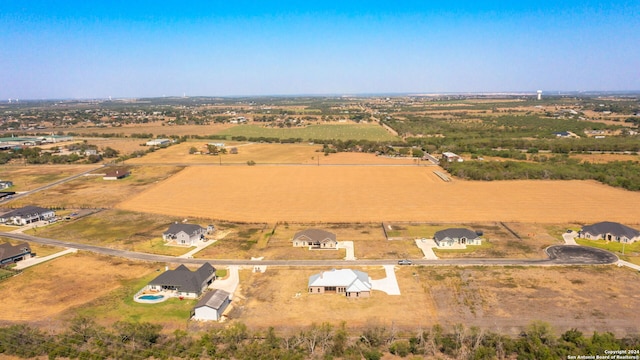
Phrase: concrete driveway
[348,245]
[388,284]
[427,245]
[570,238]
[230,283]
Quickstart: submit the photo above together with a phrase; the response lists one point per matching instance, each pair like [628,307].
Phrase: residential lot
[117,229]
[29,177]
[44,293]
[504,299]
[93,192]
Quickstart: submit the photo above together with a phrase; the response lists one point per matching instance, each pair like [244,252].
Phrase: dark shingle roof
[455,233]
[184,279]
[190,229]
[213,299]
[316,234]
[28,210]
[608,227]
[8,251]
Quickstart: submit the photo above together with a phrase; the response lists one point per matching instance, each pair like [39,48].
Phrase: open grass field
[307,154]
[94,192]
[43,294]
[30,177]
[374,194]
[119,230]
[337,131]
[501,299]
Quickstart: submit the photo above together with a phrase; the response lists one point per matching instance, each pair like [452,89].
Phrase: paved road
[558,255]
[26,193]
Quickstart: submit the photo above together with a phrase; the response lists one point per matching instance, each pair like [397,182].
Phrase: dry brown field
[305,154]
[605,158]
[30,177]
[123,145]
[156,129]
[503,299]
[377,193]
[43,292]
[92,191]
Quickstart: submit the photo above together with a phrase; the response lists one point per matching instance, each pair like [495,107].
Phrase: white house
[451,157]
[158,142]
[610,231]
[211,306]
[315,239]
[27,215]
[456,236]
[186,234]
[350,283]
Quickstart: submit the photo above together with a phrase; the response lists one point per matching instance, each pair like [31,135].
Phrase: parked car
[405,262]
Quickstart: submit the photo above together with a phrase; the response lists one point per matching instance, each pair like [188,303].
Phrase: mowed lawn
[272,194]
[371,132]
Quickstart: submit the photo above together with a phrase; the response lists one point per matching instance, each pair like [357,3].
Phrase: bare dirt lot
[43,292]
[504,299]
[376,193]
[29,177]
[93,192]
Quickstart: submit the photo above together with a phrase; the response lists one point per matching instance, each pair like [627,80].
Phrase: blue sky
[82,49]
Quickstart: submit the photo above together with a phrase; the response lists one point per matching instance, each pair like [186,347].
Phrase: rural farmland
[375,193]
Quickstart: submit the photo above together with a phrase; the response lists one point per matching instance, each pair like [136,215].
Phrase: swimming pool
[150,298]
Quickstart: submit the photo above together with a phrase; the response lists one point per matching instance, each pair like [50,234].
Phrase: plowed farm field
[376,193]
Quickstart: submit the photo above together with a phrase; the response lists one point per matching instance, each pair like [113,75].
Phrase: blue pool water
[151,297]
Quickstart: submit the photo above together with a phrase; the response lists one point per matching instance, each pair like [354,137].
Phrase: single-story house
[186,234]
[315,239]
[211,306]
[158,142]
[116,174]
[27,215]
[10,254]
[6,184]
[610,231]
[351,283]
[459,236]
[184,282]
[451,157]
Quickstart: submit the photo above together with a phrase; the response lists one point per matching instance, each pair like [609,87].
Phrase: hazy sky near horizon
[86,49]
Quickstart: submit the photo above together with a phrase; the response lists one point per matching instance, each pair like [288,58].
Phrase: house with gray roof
[186,234]
[347,282]
[609,231]
[10,254]
[183,282]
[456,236]
[27,215]
[211,306]
[315,239]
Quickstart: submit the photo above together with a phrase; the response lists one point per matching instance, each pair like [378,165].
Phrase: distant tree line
[84,339]
[624,174]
